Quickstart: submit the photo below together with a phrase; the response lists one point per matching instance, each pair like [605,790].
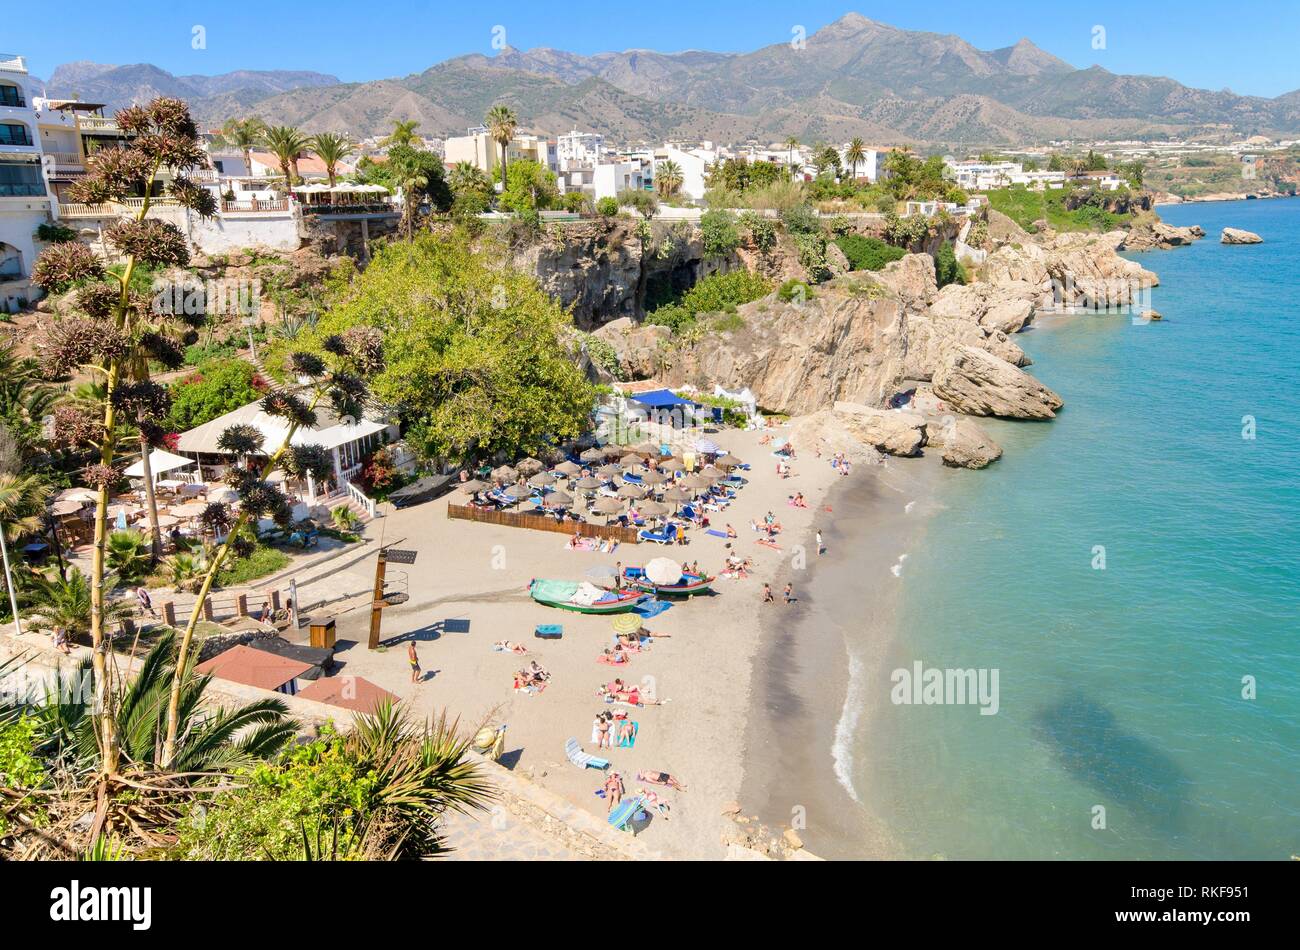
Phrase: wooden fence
[514,519]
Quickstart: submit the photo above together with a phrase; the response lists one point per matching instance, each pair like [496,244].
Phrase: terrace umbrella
[631,491]
[542,480]
[84,495]
[727,461]
[530,466]
[167,521]
[559,499]
[191,509]
[588,483]
[504,474]
[568,468]
[61,508]
[654,478]
[627,461]
[592,455]
[222,493]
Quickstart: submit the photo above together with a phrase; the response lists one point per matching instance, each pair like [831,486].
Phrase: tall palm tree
[792,143]
[412,181]
[286,144]
[502,124]
[243,135]
[22,500]
[332,149]
[854,154]
[403,133]
[668,178]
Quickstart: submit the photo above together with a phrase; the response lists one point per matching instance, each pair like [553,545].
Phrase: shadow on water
[1093,746]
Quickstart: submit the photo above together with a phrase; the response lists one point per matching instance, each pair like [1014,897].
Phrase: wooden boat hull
[699,585]
[622,605]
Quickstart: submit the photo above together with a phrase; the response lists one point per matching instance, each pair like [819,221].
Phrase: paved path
[499,836]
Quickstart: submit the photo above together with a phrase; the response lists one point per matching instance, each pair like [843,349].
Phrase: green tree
[668,178]
[855,154]
[403,133]
[332,149]
[502,123]
[719,233]
[532,187]
[217,388]
[287,144]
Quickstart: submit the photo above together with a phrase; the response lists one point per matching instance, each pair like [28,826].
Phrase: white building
[985,176]
[693,164]
[481,150]
[25,202]
[609,178]
[868,166]
[579,148]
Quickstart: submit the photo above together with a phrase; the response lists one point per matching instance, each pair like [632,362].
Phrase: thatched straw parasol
[542,480]
[592,455]
[727,461]
[631,491]
[608,506]
[654,478]
[568,468]
[504,474]
[588,483]
[531,466]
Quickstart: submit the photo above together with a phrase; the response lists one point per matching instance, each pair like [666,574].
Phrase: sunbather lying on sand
[612,658]
[613,789]
[659,778]
[509,646]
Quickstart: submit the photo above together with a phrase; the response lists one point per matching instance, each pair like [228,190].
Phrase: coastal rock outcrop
[1161,236]
[965,444]
[976,382]
[1070,270]
[1238,236]
[887,430]
[638,346]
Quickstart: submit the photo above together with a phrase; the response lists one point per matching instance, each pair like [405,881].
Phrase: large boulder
[967,445]
[978,383]
[1161,236]
[887,430]
[1238,236]
[639,346]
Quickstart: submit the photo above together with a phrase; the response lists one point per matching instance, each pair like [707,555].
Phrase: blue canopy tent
[664,405]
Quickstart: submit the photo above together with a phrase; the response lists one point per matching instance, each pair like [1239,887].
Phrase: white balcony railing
[12,63]
[73,210]
[97,123]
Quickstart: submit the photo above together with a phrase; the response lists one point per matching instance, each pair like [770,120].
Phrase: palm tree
[58,601]
[792,143]
[855,153]
[243,135]
[668,178]
[286,144]
[412,181]
[502,123]
[332,149]
[22,500]
[403,133]
[466,176]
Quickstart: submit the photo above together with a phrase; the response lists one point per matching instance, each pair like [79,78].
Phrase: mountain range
[854,77]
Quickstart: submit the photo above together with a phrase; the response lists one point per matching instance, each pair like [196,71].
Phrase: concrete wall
[234,230]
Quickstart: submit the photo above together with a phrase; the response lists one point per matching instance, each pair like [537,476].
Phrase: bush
[762,230]
[801,219]
[718,228]
[130,555]
[795,291]
[947,269]
[55,233]
[215,390]
[812,255]
[261,562]
[718,293]
[607,207]
[867,253]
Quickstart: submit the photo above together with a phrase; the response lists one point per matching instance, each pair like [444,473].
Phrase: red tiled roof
[350,692]
[243,664]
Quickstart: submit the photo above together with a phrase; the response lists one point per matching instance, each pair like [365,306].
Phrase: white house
[25,202]
[481,150]
[609,178]
[694,165]
[580,148]
[868,166]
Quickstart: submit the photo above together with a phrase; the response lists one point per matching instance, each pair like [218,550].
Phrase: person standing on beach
[821,548]
[788,594]
[767,594]
[414,659]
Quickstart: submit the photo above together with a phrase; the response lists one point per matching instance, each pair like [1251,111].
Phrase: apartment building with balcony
[480,150]
[24,198]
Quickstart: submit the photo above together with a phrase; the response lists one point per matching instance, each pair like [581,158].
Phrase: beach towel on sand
[630,741]
[651,608]
[716,534]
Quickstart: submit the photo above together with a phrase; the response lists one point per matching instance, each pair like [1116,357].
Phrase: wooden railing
[519,519]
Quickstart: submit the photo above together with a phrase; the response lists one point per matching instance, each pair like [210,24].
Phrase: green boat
[583,597]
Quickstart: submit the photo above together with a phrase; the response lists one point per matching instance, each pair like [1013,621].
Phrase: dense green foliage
[476,358]
[1026,207]
[607,207]
[947,269]
[406,163]
[793,291]
[532,187]
[219,387]
[717,293]
[719,233]
[867,253]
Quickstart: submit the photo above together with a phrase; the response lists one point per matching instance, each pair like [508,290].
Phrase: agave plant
[344,518]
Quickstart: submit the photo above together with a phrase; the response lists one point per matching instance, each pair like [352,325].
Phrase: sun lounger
[665,535]
[583,760]
[626,811]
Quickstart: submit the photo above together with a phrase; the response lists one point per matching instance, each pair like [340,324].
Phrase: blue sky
[1206,43]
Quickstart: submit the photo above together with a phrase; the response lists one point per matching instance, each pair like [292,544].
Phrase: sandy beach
[468,590]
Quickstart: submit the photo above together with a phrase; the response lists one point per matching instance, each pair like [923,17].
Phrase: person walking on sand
[767,594]
[821,548]
[788,594]
[414,659]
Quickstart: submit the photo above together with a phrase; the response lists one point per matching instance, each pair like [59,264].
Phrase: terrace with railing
[97,123]
[254,205]
[12,63]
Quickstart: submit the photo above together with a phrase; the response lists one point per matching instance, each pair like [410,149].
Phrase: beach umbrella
[712,472]
[698,482]
[588,483]
[530,466]
[542,480]
[609,471]
[677,494]
[631,491]
[608,506]
[568,468]
[655,509]
[727,461]
[612,451]
[647,448]
[592,455]
[518,492]
[559,499]
[473,485]
[663,570]
[626,623]
[706,446]
[629,460]
[654,478]
[504,474]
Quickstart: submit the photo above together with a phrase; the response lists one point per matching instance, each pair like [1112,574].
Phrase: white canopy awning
[159,461]
[330,433]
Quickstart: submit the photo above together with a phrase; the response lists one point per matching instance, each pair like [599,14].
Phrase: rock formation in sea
[1238,236]
[1161,236]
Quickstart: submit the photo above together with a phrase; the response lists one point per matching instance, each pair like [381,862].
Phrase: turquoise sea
[1122,687]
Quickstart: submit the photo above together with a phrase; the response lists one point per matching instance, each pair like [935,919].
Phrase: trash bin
[322,633]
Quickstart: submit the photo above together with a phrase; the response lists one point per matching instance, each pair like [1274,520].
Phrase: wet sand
[820,668]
